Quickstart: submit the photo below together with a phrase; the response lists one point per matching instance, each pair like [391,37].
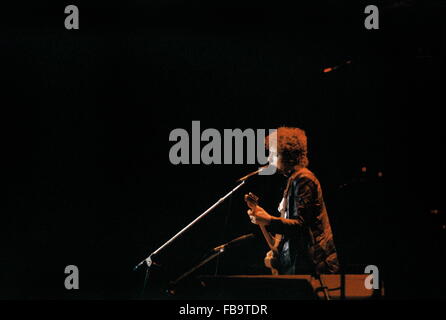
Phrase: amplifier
[288,287]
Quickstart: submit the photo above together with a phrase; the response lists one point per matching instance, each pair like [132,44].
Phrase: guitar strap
[284,208]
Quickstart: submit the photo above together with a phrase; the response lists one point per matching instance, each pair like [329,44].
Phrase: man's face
[274,158]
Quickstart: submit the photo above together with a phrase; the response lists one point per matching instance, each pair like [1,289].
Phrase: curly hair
[291,145]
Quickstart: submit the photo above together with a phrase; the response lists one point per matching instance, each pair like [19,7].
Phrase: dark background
[87,114]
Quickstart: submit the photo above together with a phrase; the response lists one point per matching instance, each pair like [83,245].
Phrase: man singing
[304,239]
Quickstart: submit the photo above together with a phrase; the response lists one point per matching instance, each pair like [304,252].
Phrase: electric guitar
[252,201]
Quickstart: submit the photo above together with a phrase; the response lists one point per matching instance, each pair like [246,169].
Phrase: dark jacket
[306,244]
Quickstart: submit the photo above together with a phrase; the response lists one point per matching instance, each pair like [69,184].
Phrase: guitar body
[252,202]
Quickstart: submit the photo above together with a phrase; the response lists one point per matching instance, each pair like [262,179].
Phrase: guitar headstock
[251,200]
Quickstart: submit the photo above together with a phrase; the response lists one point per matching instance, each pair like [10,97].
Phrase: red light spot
[328,70]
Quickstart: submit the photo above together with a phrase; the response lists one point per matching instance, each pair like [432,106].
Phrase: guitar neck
[252,201]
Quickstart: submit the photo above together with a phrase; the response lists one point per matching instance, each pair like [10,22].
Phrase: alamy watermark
[372,280]
[236,147]
[72,280]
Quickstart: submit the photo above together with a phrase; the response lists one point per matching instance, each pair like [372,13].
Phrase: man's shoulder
[305,178]
[305,174]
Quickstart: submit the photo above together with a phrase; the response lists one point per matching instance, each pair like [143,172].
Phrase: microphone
[253,173]
[232,242]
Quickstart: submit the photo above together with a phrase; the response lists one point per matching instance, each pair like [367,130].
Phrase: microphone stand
[216,252]
[184,275]
[148,261]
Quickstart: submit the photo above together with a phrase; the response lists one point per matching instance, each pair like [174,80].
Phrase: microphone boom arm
[148,260]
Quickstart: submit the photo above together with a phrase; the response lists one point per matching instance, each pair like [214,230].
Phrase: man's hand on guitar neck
[259,216]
